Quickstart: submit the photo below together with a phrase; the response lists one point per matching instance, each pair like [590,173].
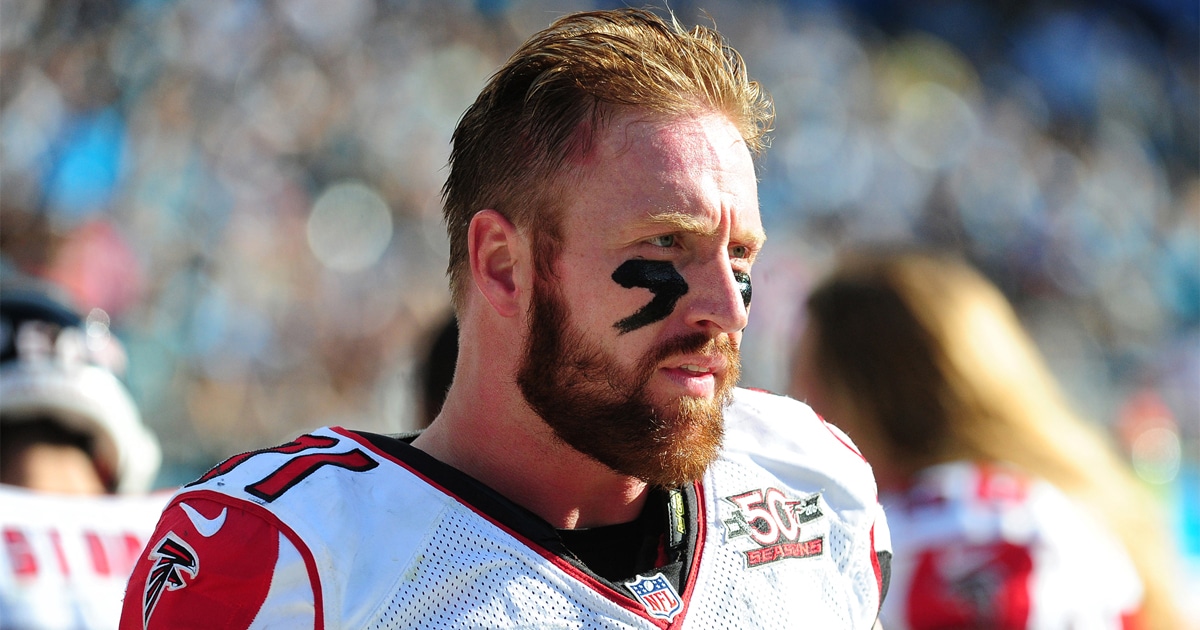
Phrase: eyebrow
[679,221]
[688,223]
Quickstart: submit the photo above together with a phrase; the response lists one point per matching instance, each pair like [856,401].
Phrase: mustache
[694,343]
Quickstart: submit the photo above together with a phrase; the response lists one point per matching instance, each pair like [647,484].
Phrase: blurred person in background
[76,464]
[594,464]
[436,369]
[1007,509]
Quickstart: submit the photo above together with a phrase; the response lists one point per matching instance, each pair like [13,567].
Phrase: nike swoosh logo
[206,526]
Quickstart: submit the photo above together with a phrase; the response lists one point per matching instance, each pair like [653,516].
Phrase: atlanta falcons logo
[173,558]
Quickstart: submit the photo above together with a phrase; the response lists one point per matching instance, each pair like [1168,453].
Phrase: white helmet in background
[56,365]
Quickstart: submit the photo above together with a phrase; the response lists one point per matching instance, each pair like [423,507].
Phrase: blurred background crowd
[250,189]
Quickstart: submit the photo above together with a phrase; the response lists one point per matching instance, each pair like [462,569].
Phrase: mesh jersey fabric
[360,531]
[984,546]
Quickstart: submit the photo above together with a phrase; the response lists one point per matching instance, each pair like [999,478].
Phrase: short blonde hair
[543,108]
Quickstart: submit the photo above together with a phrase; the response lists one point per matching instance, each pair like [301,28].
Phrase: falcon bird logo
[172,558]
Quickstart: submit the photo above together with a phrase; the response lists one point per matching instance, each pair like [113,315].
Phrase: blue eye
[666,240]
[739,251]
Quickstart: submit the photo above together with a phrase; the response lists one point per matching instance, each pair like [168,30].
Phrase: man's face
[632,350]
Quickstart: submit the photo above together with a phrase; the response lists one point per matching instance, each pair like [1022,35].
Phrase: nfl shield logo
[657,595]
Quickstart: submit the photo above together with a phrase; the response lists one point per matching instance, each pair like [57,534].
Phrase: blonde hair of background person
[952,375]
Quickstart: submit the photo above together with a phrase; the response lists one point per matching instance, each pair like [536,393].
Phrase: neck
[522,459]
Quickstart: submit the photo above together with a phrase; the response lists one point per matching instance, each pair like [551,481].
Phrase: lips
[699,365]
[697,375]
[691,380]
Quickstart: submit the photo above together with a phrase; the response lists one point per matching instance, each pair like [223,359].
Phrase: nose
[720,298]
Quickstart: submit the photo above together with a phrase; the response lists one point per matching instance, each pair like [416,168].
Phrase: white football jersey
[985,547]
[342,529]
[65,559]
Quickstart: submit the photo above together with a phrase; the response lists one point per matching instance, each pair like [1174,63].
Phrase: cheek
[593,301]
[744,287]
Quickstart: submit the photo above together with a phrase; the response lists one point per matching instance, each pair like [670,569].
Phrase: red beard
[605,412]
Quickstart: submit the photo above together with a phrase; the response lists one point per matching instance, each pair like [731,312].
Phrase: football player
[76,463]
[594,464]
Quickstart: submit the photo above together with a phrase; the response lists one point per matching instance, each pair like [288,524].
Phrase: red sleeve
[207,565]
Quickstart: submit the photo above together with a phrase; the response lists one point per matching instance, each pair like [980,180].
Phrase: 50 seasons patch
[775,524]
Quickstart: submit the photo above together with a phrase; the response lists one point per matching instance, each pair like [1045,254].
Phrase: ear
[498,261]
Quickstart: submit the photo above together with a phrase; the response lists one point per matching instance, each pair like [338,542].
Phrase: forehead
[694,170]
